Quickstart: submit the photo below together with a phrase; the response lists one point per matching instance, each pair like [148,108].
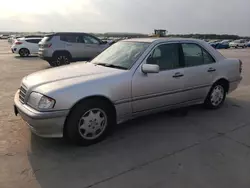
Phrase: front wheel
[89,122]
[216,96]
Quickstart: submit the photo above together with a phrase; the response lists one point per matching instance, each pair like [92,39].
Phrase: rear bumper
[14,50]
[43,124]
[234,84]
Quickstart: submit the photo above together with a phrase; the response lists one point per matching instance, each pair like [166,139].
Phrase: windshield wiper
[111,65]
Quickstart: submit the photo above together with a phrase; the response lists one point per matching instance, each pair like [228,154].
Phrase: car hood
[76,70]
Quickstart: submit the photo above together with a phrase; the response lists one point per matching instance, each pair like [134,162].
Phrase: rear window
[47,38]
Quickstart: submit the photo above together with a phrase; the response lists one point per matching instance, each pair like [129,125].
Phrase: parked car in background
[62,48]
[33,36]
[238,44]
[214,43]
[4,36]
[223,44]
[131,78]
[13,38]
[26,46]
[248,44]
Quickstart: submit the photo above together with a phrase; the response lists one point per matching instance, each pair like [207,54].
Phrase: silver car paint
[77,50]
[132,92]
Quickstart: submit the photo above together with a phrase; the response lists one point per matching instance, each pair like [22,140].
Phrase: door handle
[177,75]
[211,70]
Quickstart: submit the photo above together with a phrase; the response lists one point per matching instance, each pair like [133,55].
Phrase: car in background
[248,44]
[4,36]
[13,38]
[131,78]
[238,44]
[214,43]
[25,46]
[63,48]
[223,44]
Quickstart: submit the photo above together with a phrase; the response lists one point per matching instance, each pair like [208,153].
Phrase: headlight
[37,100]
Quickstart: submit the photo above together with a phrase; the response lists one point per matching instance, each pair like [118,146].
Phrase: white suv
[238,44]
[26,46]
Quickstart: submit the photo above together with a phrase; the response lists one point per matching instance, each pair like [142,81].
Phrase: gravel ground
[202,149]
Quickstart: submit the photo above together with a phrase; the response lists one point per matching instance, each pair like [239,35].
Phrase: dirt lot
[203,149]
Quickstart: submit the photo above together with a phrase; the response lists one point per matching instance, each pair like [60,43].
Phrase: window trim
[202,50]
[181,62]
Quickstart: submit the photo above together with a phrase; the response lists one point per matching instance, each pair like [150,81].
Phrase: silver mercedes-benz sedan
[134,77]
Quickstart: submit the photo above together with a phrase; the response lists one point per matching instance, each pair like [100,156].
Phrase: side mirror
[149,68]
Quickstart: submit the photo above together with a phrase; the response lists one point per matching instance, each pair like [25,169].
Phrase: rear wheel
[60,59]
[216,96]
[89,122]
[24,52]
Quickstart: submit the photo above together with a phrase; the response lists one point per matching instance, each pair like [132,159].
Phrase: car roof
[23,38]
[163,39]
[67,33]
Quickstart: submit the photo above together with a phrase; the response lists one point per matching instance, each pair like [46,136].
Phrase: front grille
[22,94]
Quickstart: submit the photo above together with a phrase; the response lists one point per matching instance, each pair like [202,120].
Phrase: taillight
[18,43]
[47,45]
[240,67]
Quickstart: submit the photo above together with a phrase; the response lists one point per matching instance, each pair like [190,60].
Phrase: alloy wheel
[217,95]
[62,60]
[92,124]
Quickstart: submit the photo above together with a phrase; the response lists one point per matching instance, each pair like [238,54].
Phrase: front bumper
[43,124]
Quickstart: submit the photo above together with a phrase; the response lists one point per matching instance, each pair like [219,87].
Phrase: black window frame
[202,50]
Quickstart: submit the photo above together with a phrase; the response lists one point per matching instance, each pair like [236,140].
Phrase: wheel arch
[93,97]
[23,49]
[224,81]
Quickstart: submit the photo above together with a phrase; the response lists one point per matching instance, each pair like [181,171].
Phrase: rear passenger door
[74,44]
[33,45]
[200,71]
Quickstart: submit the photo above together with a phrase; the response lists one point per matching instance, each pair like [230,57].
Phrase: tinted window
[68,38]
[90,40]
[34,40]
[72,38]
[194,55]
[166,56]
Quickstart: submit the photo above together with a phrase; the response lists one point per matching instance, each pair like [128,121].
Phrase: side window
[90,40]
[194,55]
[207,58]
[68,38]
[36,41]
[166,56]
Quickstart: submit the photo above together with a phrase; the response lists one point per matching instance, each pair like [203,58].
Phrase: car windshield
[121,55]
[238,41]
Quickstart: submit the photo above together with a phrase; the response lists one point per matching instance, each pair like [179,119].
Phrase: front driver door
[153,91]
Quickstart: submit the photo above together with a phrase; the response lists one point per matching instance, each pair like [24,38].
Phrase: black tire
[52,63]
[209,103]
[60,59]
[24,52]
[72,130]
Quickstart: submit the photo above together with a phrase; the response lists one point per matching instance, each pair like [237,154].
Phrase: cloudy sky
[177,16]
